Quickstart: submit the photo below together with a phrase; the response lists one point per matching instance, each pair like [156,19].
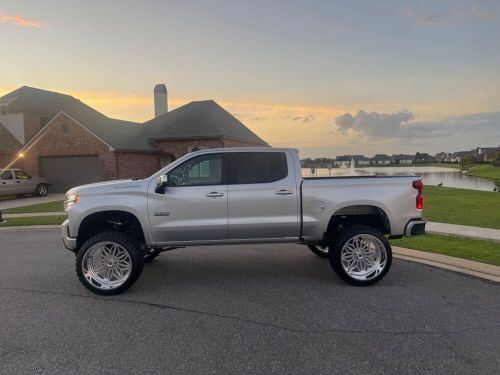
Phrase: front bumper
[415,227]
[69,242]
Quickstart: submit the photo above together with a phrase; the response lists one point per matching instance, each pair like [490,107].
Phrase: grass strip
[477,250]
[56,206]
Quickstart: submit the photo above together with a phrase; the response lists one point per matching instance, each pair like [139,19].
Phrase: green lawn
[34,220]
[479,251]
[56,206]
[486,171]
[461,206]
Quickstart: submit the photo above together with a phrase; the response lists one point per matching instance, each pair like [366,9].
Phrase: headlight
[71,199]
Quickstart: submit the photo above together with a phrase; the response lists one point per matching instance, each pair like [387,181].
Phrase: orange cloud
[20,20]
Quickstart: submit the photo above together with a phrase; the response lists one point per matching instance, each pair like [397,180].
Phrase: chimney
[161,101]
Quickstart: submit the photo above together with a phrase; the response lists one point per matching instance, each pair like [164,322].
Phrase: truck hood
[108,187]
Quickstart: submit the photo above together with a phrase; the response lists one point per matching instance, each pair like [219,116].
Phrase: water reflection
[449,177]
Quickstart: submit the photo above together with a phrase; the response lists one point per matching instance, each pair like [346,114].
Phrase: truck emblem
[161,214]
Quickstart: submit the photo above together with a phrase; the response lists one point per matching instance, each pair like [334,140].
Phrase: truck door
[23,183]
[193,207]
[6,183]
[262,196]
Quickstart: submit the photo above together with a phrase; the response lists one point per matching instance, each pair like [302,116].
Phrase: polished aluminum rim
[363,257]
[107,265]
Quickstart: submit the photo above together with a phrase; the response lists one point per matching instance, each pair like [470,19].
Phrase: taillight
[420,201]
[419,185]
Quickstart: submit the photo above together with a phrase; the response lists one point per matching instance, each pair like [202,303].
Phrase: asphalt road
[247,309]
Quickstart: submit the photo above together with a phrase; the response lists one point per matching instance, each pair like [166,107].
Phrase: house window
[43,121]
[65,128]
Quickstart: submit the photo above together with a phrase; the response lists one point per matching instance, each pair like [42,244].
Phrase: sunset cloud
[372,126]
[20,20]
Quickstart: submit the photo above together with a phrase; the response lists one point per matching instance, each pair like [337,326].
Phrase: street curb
[468,267]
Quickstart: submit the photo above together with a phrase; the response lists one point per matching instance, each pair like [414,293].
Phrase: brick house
[71,143]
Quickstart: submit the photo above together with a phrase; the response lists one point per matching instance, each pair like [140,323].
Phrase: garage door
[66,172]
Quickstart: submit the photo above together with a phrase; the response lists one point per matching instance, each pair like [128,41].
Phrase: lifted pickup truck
[238,196]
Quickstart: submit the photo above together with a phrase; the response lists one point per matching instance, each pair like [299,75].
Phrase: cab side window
[198,171]
[6,175]
[20,175]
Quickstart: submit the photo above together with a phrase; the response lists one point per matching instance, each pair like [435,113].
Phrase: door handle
[214,194]
[283,192]
[18,182]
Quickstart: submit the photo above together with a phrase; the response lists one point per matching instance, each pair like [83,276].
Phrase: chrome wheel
[363,257]
[106,265]
[42,190]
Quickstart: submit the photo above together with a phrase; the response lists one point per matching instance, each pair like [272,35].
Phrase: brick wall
[228,142]
[76,141]
[7,159]
[31,125]
[138,165]
[180,147]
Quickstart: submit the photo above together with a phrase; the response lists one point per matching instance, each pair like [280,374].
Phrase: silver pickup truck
[238,196]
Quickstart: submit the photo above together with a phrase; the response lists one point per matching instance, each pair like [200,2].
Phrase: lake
[449,177]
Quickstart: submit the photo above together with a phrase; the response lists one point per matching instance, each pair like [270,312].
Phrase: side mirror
[161,184]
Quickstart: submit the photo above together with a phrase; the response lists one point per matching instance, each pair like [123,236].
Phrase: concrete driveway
[11,202]
[248,309]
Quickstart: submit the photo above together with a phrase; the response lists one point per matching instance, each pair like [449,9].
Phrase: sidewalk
[32,214]
[477,233]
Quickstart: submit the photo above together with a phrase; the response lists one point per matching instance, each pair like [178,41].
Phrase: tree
[467,160]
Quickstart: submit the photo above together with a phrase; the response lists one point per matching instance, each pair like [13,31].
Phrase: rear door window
[257,167]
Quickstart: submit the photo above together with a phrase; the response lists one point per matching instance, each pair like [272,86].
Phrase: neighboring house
[402,159]
[381,159]
[71,143]
[457,157]
[423,157]
[343,161]
[485,153]
[442,157]
[361,160]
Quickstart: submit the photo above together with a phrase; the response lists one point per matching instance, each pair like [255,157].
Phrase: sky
[327,77]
